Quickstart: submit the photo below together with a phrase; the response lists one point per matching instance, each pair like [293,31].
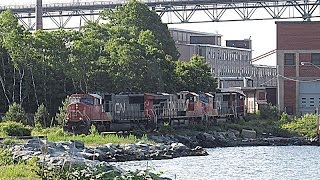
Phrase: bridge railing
[119,2]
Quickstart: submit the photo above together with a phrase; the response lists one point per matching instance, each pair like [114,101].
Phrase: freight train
[130,111]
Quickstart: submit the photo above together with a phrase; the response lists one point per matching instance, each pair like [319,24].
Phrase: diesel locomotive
[129,111]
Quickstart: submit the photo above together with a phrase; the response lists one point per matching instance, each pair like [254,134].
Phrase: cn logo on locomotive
[119,107]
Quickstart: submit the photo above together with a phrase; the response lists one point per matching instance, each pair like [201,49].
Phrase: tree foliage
[136,14]
[133,51]
[195,75]
[41,117]
[62,112]
[16,114]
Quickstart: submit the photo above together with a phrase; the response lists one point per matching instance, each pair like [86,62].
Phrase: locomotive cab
[84,106]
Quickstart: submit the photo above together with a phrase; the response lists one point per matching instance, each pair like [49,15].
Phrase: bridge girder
[175,12]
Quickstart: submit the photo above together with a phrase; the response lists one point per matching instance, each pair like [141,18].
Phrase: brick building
[298,61]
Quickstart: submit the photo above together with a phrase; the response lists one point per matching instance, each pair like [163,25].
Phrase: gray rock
[89,155]
[198,151]
[209,137]
[142,144]
[221,136]
[108,148]
[251,134]
[235,132]
[129,148]
[179,147]
[162,147]
[231,135]
[77,144]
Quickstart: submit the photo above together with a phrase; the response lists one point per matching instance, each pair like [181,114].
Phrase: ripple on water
[264,162]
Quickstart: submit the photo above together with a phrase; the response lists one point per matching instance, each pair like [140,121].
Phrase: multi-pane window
[315,58]
[289,59]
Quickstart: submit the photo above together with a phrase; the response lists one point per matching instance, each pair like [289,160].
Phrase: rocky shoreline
[59,154]
[165,147]
[52,151]
[231,138]
[74,153]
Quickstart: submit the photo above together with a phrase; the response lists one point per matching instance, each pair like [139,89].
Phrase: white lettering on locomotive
[119,107]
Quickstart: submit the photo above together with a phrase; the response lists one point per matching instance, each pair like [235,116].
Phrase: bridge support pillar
[38,10]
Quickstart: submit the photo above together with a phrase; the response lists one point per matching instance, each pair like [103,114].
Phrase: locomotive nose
[75,112]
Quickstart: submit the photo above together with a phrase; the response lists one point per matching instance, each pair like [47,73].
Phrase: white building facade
[231,66]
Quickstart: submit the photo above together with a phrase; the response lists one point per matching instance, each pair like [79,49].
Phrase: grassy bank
[282,126]
[56,134]
[31,169]
[18,171]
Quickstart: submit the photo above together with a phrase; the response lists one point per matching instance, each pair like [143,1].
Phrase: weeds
[57,134]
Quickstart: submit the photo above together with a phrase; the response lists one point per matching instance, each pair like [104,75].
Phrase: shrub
[41,117]
[11,128]
[284,118]
[304,126]
[10,141]
[93,130]
[269,112]
[15,113]
[61,115]
[165,128]
[5,157]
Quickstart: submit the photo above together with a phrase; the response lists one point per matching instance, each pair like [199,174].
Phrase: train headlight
[77,106]
[80,118]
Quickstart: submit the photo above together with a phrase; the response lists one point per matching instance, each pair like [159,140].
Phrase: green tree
[62,112]
[136,14]
[41,117]
[17,41]
[15,113]
[53,62]
[85,57]
[195,75]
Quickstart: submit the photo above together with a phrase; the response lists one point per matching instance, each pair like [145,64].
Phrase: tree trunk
[21,73]
[4,90]
[14,84]
[34,87]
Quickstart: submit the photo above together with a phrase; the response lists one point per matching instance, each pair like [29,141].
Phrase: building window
[289,59]
[315,58]
[262,96]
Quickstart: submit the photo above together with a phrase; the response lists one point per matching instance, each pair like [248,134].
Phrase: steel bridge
[61,15]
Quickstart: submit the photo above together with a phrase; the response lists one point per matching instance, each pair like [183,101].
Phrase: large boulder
[231,135]
[77,144]
[250,134]
[198,151]
[206,137]
[179,147]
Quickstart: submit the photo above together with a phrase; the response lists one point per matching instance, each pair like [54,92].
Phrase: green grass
[18,171]
[9,169]
[56,134]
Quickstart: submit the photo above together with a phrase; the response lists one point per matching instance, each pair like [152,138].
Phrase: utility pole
[318,125]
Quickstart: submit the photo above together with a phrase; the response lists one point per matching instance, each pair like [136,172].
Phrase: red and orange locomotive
[128,111]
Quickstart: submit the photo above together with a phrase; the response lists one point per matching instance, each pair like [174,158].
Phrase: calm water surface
[271,162]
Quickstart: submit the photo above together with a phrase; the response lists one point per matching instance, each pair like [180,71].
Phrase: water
[269,162]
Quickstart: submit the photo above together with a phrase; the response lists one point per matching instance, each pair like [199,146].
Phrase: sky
[262,33]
